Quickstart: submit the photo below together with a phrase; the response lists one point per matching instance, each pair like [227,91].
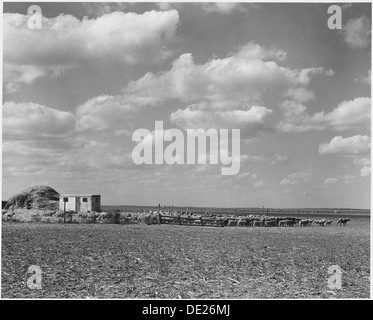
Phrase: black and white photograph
[194,151]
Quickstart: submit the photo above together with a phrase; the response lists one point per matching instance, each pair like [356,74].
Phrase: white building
[80,202]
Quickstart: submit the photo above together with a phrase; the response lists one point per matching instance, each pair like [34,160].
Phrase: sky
[75,90]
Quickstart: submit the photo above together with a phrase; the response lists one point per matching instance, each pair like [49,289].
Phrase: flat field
[171,261]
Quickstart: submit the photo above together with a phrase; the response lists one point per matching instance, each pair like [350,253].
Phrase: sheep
[289,222]
[343,221]
[257,223]
[270,223]
[320,222]
[281,223]
[232,222]
[104,216]
[241,222]
[303,223]
[329,222]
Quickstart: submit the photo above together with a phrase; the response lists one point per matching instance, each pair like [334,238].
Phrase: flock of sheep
[151,217]
[264,221]
[119,217]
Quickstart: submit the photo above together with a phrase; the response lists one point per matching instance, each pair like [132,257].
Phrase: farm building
[80,202]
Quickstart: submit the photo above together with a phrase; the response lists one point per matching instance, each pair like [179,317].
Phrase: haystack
[38,197]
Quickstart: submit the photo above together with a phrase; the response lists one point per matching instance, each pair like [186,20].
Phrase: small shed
[80,202]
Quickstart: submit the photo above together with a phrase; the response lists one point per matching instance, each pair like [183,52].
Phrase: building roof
[79,195]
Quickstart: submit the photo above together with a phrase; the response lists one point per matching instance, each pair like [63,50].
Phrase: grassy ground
[165,261]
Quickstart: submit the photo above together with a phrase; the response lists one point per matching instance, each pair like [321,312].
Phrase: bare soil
[170,261]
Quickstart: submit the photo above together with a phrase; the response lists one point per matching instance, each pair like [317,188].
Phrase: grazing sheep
[303,223]
[270,223]
[241,222]
[232,222]
[320,222]
[286,223]
[343,221]
[329,222]
[289,223]
[91,217]
[104,216]
[257,223]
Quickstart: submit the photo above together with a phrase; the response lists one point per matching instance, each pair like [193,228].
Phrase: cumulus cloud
[364,79]
[242,76]
[365,166]
[65,42]
[296,177]
[197,116]
[300,94]
[353,114]
[355,145]
[357,32]
[103,112]
[31,120]
[223,91]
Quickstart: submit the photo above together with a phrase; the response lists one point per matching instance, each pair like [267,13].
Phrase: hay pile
[38,197]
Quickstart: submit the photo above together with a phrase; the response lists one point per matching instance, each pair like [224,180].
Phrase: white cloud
[300,94]
[222,92]
[278,158]
[103,112]
[357,32]
[200,116]
[362,161]
[243,76]
[301,175]
[65,42]
[31,120]
[355,145]
[347,178]
[365,164]
[365,171]
[348,115]
[296,118]
[285,182]
[364,79]
[353,114]
[296,177]
[330,181]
